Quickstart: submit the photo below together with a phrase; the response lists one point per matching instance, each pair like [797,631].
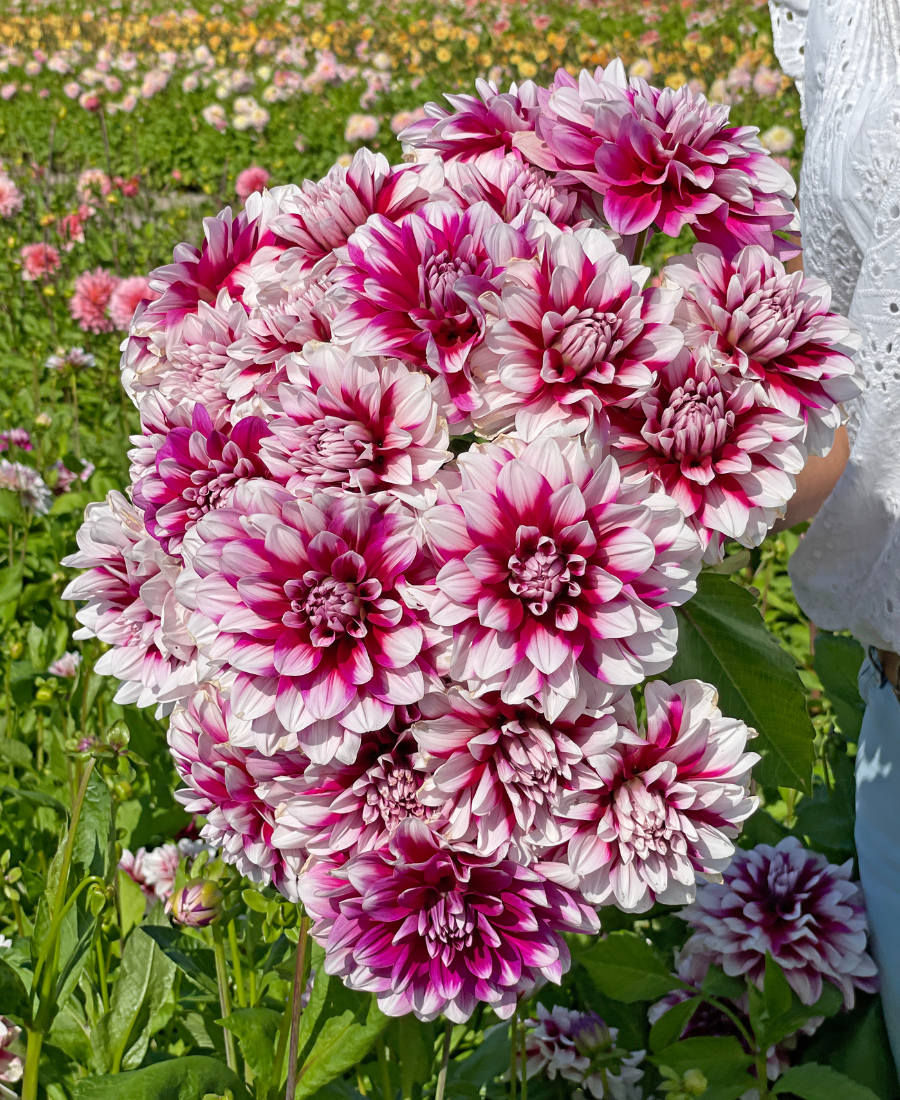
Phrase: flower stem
[639,247]
[762,1076]
[513,1052]
[236,965]
[32,1064]
[522,1031]
[386,1091]
[296,1010]
[445,1058]
[224,996]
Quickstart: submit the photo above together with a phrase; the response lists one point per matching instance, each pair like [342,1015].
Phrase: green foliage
[180,1079]
[812,1082]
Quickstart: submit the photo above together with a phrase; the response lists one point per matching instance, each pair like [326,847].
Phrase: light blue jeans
[878,834]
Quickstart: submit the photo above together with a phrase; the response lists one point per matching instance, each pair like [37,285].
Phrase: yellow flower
[527,70]
[472,42]
[443,55]
[676,80]
[49,290]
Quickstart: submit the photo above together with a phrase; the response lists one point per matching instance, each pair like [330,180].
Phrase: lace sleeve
[789,39]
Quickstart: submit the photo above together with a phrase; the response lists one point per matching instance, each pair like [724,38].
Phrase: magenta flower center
[393,794]
[540,571]
[439,275]
[587,339]
[447,926]
[696,423]
[645,823]
[212,488]
[526,758]
[329,607]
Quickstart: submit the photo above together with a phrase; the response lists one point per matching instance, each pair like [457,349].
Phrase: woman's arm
[816,481]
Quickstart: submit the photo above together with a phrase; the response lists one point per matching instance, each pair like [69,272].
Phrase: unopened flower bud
[695,1083]
[197,904]
[590,1034]
[118,737]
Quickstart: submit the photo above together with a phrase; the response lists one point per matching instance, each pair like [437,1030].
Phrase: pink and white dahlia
[223,785]
[129,589]
[160,868]
[556,576]
[11,200]
[728,459]
[417,288]
[11,1065]
[793,904]
[90,299]
[307,604]
[430,930]
[775,328]
[354,423]
[499,770]
[664,805]
[195,468]
[514,188]
[668,158]
[132,864]
[575,333]
[38,261]
[347,808]
[486,123]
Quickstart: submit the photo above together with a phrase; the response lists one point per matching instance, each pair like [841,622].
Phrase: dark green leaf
[343,1041]
[626,968]
[412,1043]
[14,999]
[257,1031]
[719,984]
[776,989]
[188,954]
[92,848]
[10,584]
[856,1043]
[178,1079]
[132,901]
[815,1082]
[669,1027]
[489,1059]
[837,661]
[706,1054]
[722,639]
[35,798]
[829,818]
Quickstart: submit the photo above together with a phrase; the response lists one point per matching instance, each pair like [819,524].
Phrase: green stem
[762,1077]
[513,1053]
[442,1076]
[20,921]
[735,1019]
[75,424]
[639,247]
[522,1032]
[386,1091]
[101,971]
[236,965]
[32,1065]
[224,995]
[296,1010]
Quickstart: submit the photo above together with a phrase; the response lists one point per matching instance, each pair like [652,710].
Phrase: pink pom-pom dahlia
[775,328]
[308,607]
[430,930]
[555,575]
[663,806]
[728,460]
[127,296]
[89,302]
[515,189]
[250,181]
[794,905]
[357,424]
[575,332]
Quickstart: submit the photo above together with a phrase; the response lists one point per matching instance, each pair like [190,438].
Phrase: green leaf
[837,661]
[35,798]
[188,954]
[16,753]
[626,968]
[776,989]
[815,1082]
[413,1044]
[489,1059]
[93,840]
[722,639]
[722,1061]
[856,1043]
[10,584]
[257,1031]
[828,819]
[14,999]
[132,901]
[668,1028]
[719,984]
[178,1079]
[343,1041]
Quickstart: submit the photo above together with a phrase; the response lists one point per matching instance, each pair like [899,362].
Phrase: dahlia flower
[416,288]
[565,1043]
[354,807]
[307,602]
[664,805]
[28,484]
[66,666]
[38,260]
[250,181]
[793,904]
[430,930]
[357,424]
[775,328]
[555,575]
[89,302]
[10,197]
[575,333]
[515,189]
[130,605]
[15,437]
[70,359]
[498,770]
[132,864]
[726,458]
[197,904]
[159,868]
[195,468]
[666,157]
[477,125]
[11,1065]
[125,299]
[224,785]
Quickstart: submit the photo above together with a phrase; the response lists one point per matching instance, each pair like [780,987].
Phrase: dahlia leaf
[343,1041]
[719,984]
[721,1060]
[188,954]
[670,1026]
[176,1079]
[13,994]
[257,1032]
[837,660]
[815,1082]
[723,640]
[626,968]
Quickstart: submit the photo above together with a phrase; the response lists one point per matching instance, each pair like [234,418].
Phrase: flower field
[402,694]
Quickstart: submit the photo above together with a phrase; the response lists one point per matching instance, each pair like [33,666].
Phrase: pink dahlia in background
[127,296]
[195,469]
[70,228]
[224,787]
[38,260]
[575,333]
[159,868]
[727,459]
[417,288]
[354,423]
[776,329]
[250,181]
[793,904]
[430,930]
[10,197]
[90,299]
[664,806]
[499,771]
[338,808]
[11,1065]
[66,666]
[132,864]
[486,123]
[307,598]
[668,158]
[15,437]
[556,577]
[128,586]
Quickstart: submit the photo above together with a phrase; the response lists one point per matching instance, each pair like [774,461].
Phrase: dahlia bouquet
[427,461]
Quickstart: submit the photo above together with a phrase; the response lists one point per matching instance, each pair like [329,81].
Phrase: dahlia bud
[688,1087]
[590,1034]
[197,904]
